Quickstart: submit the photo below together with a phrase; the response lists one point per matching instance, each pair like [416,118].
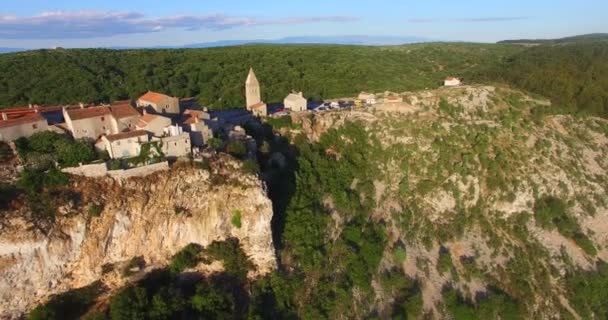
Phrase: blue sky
[81,23]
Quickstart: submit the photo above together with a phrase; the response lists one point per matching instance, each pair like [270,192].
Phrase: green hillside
[579,38]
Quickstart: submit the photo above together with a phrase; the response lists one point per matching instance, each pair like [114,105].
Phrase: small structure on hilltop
[24,126]
[159,102]
[125,144]
[451,82]
[296,102]
[253,95]
[393,99]
[368,98]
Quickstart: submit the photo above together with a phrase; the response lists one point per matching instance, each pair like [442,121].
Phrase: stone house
[176,146]
[90,123]
[452,82]
[159,102]
[25,126]
[368,98]
[196,124]
[125,115]
[295,102]
[124,144]
[154,124]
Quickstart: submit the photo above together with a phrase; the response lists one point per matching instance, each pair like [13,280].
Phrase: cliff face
[151,217]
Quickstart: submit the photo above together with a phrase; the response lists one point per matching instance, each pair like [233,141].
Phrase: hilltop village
[157,126]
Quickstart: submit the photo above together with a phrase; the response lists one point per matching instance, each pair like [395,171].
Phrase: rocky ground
[150,218]
[464,170]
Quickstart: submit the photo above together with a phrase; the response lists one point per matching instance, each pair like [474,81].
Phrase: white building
[153,123]
[25,126]
[91,122]
[295,102]
[176,146]
[160,102]
[451,82]
[125,115]
[125,144]
[368,98]
[253,95]
[197,125]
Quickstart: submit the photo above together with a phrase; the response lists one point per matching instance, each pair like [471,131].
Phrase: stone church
[253,95]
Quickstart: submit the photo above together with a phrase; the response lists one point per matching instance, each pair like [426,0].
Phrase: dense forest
[573,75]
[216,76]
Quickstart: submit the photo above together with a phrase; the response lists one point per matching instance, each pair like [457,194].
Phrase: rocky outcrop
[151,217]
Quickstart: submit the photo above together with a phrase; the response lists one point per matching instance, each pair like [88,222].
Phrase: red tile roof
[153,97]
[146,119]
[120,111]
[91,112]
[30,118]
[257,105]
[126,135]
[451,78]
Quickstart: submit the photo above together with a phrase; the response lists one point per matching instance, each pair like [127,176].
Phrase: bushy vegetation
[42,149]
[587,292]
[552,213]
[236,219]
[188,257]
[492,305]
[574,76]
[161,295]
[70,305]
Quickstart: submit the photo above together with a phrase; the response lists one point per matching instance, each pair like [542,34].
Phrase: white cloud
[90,24]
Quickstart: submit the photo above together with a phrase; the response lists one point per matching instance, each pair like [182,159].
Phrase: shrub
[95,210]
[70,305]
[250,166]
[188,257]
[551,212]
[215,143]
[236,219]
[237,148]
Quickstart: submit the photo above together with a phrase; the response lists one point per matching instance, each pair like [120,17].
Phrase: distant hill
[8,50]
[345,40]
[580,38]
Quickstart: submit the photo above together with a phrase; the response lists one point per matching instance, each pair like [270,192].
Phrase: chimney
[300,93]
[143,111]
[4,116]
[195,119]
[81,105]
[29,106]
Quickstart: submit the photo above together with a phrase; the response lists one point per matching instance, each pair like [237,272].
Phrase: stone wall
[101,170]
[88,170]
[139,172]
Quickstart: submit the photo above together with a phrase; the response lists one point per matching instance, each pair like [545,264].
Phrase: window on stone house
[34,126]
[103,118]
[117,143]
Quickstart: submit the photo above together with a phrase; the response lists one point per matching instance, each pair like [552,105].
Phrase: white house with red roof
[154,124]
[451,82]
[24,126]
[125,115]
[161,103]
[91,122]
